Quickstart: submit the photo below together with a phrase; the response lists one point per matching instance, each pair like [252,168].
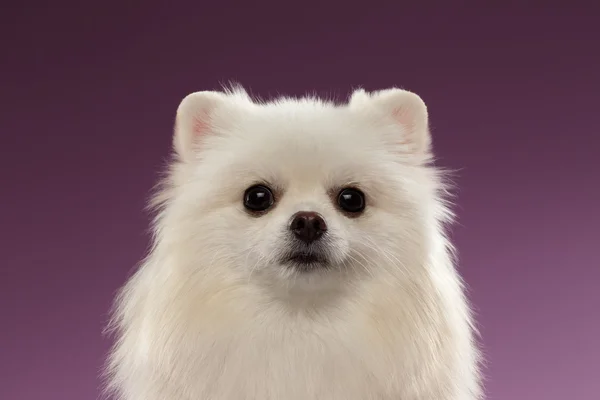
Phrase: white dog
[299,253]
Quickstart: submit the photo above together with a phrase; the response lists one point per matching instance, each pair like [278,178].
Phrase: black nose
[308,226]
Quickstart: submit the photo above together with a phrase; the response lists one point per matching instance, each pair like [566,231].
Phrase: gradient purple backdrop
[88,96]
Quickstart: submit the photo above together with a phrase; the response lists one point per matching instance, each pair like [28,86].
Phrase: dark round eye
[258,198]
[351,200]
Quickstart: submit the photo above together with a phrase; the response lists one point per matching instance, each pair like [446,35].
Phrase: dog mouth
[306,261]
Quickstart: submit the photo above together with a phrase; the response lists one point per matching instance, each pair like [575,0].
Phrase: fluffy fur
[213,314]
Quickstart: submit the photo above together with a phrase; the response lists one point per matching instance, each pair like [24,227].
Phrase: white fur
[212,315]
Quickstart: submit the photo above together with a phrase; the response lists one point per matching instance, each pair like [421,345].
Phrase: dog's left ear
[405,110]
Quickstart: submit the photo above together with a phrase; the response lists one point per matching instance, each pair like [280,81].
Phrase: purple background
[88,95]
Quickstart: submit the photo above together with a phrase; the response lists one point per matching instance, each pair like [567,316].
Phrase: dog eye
[351,200]
[258,198]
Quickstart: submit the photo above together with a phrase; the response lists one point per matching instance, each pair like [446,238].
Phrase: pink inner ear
[200,126]
[402,116]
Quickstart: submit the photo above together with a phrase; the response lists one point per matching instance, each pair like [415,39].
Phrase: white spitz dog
[299,253]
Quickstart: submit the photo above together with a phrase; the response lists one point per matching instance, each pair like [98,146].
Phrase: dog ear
[194,120]
[405,110]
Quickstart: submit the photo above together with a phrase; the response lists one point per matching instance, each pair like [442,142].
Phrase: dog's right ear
[195,119]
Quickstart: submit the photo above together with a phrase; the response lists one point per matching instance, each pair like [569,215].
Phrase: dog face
[300,191]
